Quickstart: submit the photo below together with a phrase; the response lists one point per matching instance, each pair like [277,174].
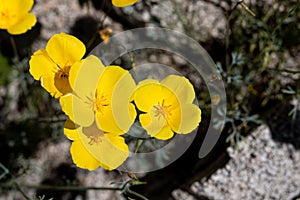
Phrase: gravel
[260,169]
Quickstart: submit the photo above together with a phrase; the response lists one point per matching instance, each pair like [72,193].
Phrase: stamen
[94,139]
[101,101]
[159,111]
[162,110]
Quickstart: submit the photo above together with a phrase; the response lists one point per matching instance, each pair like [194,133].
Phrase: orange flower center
[61,80]
[162,110]
[101,102]
[64,72]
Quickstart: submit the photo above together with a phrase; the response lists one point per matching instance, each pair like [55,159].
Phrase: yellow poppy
[92,148]
[100,95]
[15,16]
[168,106]
[52,65]
[123,3]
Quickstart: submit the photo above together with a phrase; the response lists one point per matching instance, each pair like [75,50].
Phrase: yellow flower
[15,16]
[123,3]
[92,148]
[168,106]
[52,65]
[100,95]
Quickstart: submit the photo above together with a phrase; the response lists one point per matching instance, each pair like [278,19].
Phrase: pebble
[260,169]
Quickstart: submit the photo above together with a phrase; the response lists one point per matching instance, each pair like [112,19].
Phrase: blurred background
[256,47]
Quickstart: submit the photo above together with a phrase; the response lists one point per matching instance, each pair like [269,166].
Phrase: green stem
[289,71]
[139,196]
[14,47]
[58,188]
[20,190]
[284,18]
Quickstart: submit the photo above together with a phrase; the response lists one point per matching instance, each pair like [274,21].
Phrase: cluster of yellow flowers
[101,102]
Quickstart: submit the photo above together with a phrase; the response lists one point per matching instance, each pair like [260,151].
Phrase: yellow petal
[165,133]
[8,16]
[152,123]
[77,110]
[189,120]
[47,82]
[147,94]
[110,150]
[108,122]
[123,111]
[113,92]
[84,76]
[44,69]
[145,121]
[25,22]
[65,49]
[105,121]
[123,3]
[181,87]
[19,6]
[62,84]
[111,76]
[71,130]
[82,157]
[4,5]
[132,111]
[41,65]
[156,127]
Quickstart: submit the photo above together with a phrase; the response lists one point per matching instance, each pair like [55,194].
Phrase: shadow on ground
[186,170]
[283,128]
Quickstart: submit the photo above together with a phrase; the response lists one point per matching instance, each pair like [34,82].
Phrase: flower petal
[105,121]
[82,157]
[26,22]
[19,6]
[42,68]
[152,123]
[145,121]
[4,5]
[41,65]
[111,76]
[116,86]
[77,110]
[62,84]
[165,133]
[123,3]
[47,82]
[189,121]
[65,49]
[84,76]
[156,127]
[181,87]
[110,150]
[123,111]
[132,111]
[147,94]
[71,130]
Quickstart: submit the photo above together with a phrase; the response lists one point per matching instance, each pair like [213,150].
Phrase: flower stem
[20,190]
[73,188]
[14,47]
